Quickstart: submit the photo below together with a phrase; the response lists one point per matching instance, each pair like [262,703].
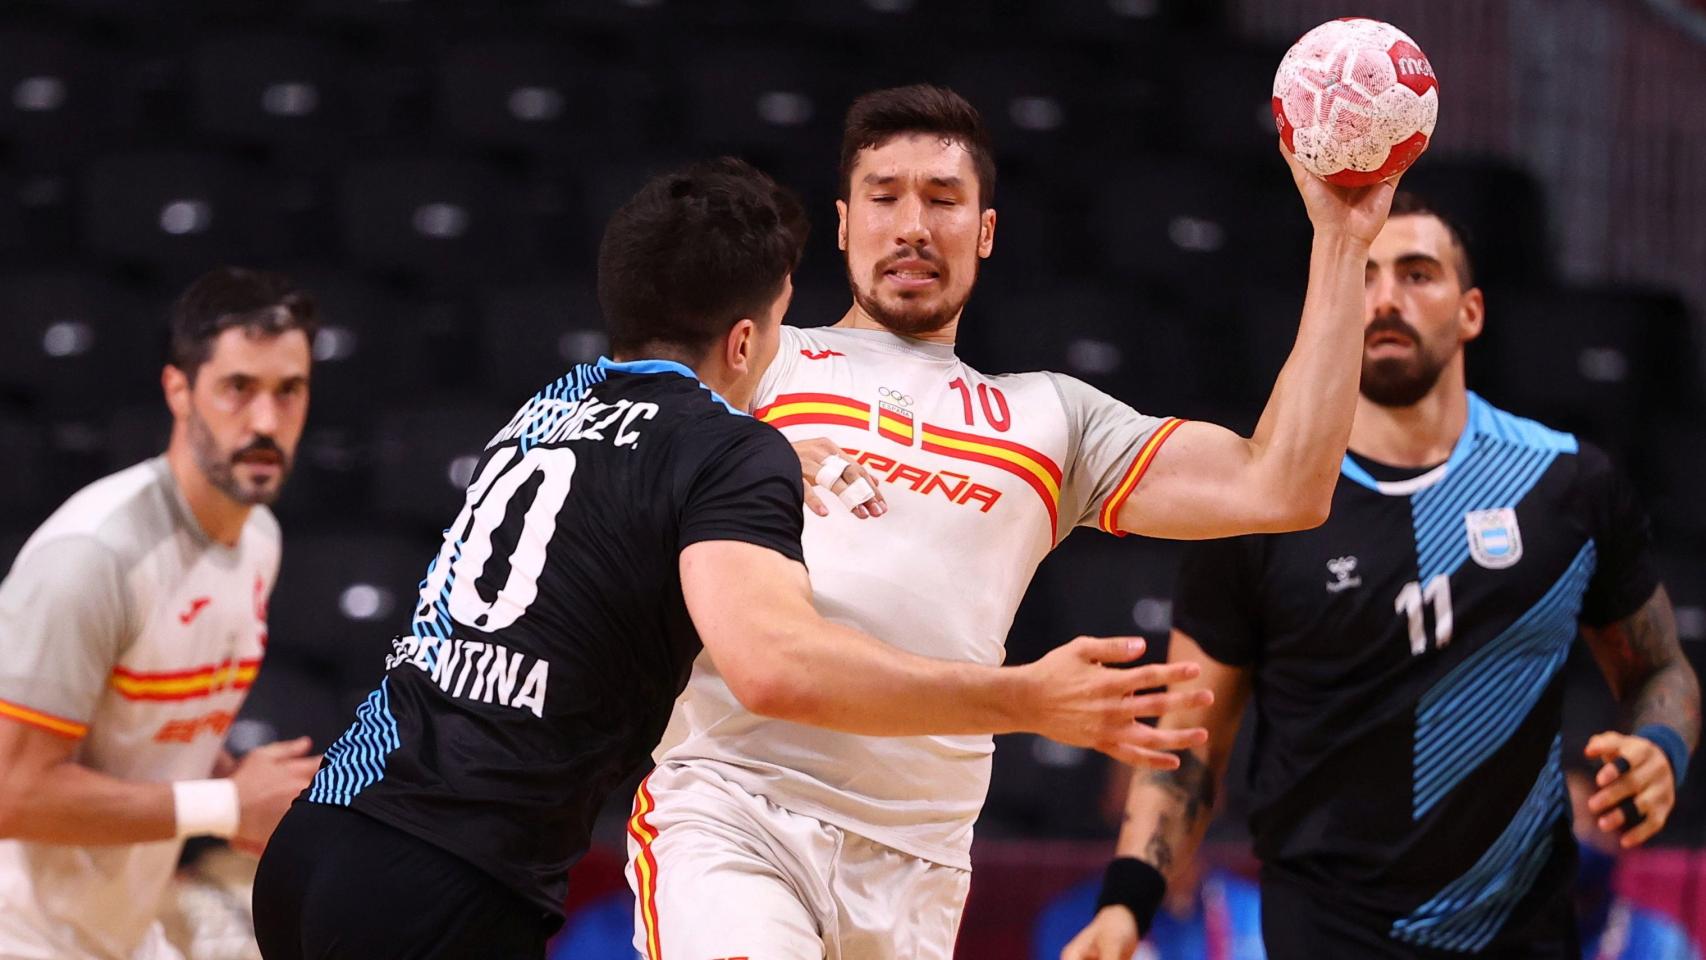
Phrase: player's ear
[841,225]
[1471,314]
[986,234]
[176,385]
[740,347]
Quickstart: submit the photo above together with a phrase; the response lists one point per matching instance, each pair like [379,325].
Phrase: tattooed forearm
[1192,785]
[1648,672]
[1187,795]
[1159,851]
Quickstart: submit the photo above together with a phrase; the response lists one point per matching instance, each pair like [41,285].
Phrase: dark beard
[910,323]
[1399,382]
[220,469]
[1392,382]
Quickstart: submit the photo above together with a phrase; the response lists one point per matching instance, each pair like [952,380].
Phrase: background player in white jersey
[131,626]
[772,840]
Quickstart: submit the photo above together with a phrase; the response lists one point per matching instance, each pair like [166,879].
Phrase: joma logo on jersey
[186,730]
[957,487]
[476,670]
[1495,541]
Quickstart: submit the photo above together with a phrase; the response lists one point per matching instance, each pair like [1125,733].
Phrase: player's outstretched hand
[1644,776]
[1077,698]
[1356,212]
[813,455]
[1112,935]
[268,778]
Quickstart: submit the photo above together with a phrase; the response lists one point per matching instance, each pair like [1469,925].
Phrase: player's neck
[219,516]
[857,319]
[1419,435]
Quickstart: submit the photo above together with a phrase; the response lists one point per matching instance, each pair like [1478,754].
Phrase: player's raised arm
[752,608]
[1167,811]
[1207,481]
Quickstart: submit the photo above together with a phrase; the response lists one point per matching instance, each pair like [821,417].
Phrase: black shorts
[1301,924]
[337,885]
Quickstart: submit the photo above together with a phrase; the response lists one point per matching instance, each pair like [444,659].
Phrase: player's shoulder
[125,512]
[263,526]
[1510,428]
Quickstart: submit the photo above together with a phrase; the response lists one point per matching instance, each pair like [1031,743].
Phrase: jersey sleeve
[746,488]
[64,617]
[1626,573]
[780,369]
[1112,446]
[1216,600]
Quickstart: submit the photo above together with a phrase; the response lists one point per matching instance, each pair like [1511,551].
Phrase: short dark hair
[262,303]
[692,253]
[1406,203]
[881,115]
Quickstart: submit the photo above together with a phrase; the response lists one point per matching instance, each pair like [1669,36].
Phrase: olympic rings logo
[894,395]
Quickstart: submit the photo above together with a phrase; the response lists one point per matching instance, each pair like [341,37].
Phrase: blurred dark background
[438,173]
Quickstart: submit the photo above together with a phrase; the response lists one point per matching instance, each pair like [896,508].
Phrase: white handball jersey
[983,475]
[122,626]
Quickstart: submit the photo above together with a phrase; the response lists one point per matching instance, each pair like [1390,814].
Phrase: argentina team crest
[1495,541]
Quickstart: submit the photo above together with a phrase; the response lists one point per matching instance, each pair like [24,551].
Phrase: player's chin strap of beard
[857,493]
[1135,885]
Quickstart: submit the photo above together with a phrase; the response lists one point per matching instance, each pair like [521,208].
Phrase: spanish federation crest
[1495,541]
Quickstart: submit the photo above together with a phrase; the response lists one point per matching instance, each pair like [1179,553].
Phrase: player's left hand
[813,455]
[1635,770]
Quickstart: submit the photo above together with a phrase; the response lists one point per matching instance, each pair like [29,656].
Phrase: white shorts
[719,874]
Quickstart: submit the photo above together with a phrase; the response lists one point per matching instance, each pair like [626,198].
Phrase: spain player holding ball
[760,838]
[1405,664]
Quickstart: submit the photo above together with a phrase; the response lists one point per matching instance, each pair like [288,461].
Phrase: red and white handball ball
[1355,100]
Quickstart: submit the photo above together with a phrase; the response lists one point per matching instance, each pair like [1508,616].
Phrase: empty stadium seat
[537,96]
[1203,229]
[1105,335]
[425,456]
[177,212]
[530,334]
[1590,360]
[271,88]
[342,597]
[73,343]
[434,220]
[56,100]
[746,96]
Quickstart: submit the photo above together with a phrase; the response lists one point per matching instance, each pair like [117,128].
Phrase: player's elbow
[1289,512]
[769,690]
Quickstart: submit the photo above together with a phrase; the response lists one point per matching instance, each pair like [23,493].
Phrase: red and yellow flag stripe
[894,428]
[185,684]
[1134,473]
[1036,469]
[646,868]
[794,408]
[44,721]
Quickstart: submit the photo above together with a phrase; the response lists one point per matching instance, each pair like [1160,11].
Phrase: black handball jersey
[1406,658]
[551,637]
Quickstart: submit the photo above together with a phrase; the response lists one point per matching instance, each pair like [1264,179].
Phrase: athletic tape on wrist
[1135,885]
[206,808]
[831,471]
[1674,746]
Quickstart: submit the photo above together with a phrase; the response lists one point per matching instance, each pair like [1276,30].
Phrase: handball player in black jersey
[627,517]
[1404,662]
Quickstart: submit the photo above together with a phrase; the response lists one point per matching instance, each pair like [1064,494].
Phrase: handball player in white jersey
[767,839]
[131,627]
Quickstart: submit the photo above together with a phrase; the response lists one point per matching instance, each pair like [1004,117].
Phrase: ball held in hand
[1355,100]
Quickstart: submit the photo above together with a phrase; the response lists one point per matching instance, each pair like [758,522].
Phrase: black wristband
[1135,885]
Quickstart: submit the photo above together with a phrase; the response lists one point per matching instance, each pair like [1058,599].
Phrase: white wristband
[206,808]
